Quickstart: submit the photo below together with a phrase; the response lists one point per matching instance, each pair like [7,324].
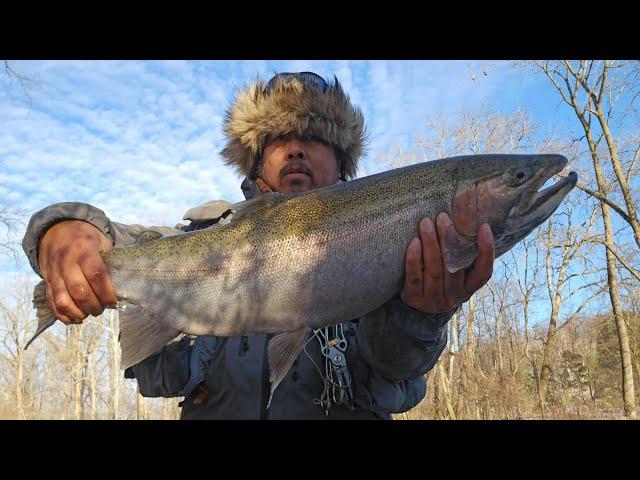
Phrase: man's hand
[76,277]
[433,289]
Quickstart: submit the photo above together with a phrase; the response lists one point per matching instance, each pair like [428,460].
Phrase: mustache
[297,166]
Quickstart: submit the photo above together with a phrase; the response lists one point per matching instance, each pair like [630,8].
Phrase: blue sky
[141,139]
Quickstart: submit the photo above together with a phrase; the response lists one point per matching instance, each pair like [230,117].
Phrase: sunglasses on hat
[308,78]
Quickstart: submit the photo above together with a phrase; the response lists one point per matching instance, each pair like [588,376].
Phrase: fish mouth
[533,199]
[536,206]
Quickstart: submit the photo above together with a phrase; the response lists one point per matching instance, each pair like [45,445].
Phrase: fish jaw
[540,207]
[531,196]
[540,204]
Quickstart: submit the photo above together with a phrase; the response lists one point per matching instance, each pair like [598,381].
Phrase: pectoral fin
[283,349]
[456,255]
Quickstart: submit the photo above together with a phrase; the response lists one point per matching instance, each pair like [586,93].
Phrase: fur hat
[293,103]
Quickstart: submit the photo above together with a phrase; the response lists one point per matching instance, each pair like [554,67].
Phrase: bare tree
[587,88]
[564,243]
[115,364]
[14,332]
[14,76]
[501,354]
[11,219]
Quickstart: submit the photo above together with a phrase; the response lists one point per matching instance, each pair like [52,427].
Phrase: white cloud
[141,140]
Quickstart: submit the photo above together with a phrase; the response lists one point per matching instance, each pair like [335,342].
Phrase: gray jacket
[389,349]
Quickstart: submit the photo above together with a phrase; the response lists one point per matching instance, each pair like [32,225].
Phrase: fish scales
[307,248]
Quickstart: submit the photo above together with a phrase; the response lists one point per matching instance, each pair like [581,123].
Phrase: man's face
[293,165]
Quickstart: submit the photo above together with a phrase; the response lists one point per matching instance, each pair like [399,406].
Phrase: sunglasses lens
[308,78]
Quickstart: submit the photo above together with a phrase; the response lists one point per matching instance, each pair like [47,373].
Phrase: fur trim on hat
[292,107]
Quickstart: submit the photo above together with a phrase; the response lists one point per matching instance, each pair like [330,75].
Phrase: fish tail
[46,317]
[141,332]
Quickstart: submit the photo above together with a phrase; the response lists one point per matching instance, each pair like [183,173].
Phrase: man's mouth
[295,170]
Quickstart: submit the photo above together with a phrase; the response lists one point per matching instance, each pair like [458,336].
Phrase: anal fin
[142,333]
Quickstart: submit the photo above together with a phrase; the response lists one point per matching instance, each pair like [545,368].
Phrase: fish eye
[517,176]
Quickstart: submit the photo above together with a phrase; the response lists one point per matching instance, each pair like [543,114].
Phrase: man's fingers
[80,291]
[483,267]
[413,271]
[433,271]
[95,271]
[63,318]
[63,302]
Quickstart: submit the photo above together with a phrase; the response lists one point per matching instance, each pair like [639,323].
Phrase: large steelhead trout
[294,262]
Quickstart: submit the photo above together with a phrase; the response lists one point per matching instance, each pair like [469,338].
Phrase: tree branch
[606,200]
[622,262]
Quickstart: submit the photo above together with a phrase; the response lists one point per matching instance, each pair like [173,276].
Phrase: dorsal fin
[255,204]
[147,236]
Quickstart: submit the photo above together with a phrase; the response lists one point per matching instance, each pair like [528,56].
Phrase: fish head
[504,191]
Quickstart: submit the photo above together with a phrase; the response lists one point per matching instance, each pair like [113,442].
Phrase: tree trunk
[498,334]
[20,383]
[166,409]
[78,364]
[446,391]
[115,366]
[453,328]
[92,389]
[549,344]
[628,390]
[470,345]
[546,371]
[93,374]
[615,163]
[142,406]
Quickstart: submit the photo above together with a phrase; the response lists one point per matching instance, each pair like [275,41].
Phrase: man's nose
[295,150]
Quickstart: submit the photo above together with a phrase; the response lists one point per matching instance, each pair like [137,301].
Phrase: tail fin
[46,317]
[141,332]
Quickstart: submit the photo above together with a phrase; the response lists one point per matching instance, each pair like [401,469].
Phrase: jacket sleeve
[395,347]
[120,234]
[177,369]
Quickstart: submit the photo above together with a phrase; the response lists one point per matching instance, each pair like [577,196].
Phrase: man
[293,134]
